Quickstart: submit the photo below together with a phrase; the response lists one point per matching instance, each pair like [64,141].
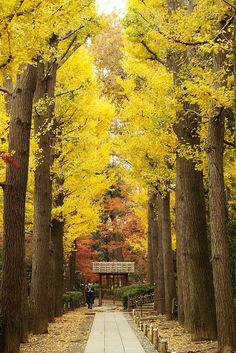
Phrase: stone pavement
[111,333]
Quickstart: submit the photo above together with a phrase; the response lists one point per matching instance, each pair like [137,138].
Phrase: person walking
[89,295]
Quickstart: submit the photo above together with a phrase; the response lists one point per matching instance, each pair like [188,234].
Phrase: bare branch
[69,34]
[68,48]
[228,3]
[68,92]
[153,53]
[2,184]
[6,62]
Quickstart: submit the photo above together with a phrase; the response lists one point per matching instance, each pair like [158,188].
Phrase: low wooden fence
[140,300]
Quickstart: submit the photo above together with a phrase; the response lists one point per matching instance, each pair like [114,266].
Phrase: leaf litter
[70,329]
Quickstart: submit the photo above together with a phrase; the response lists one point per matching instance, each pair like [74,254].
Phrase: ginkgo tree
[182,37]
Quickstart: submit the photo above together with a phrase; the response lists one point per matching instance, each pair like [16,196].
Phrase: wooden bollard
[151,333]
[133,313]
[141,325]
[145,329]
[136,319]
[163,346]
[155,338]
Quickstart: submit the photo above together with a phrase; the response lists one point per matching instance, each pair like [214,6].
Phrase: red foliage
[9,160]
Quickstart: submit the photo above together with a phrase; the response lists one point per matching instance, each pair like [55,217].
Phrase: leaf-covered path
[70,333]
[66,334]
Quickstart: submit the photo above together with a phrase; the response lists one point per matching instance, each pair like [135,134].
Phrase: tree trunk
[160,263]
[197,264]
[57,238]
[234,49]
[150,276]
[170,290]
[25,311]
[225,311]
[51,281]
[14,209]
[154,231]
[42,198]
[181,245]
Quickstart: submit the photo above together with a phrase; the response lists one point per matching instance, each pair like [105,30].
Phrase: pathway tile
[111,333]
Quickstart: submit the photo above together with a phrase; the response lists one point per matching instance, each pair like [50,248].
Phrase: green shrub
[132,291]
[72,300]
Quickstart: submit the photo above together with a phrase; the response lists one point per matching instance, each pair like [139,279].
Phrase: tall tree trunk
[154,236]
[57,233]
[42,198]
[25,311]
[170,290]
[150,275]
[14,209]
[69,280]
[199,276]
[234,49]
[51,279]
[182,258]
[160,266]
[225,310]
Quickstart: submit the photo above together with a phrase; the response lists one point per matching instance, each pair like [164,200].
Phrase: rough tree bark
[160,263]
[154,229]
[14,209]
[198,270]
[150,275]
[42,197]
[225,311]
[182,255]
[57,233]
[170,289]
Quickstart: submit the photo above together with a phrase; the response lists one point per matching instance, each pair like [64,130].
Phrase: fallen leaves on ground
[180,340]
[61,334]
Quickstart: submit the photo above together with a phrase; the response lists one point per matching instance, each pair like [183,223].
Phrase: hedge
[72,300]
[132,291]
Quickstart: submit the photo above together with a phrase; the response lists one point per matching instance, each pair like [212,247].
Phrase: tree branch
[229,143]
[153,53]
[2,184]
[228,3]
[68,48]
[5,90]
[68,92]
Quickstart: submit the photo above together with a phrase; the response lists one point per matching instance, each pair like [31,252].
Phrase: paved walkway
[111,333]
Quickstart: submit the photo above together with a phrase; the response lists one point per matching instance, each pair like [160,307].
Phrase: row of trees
[178,135]
[170,118]
[54,137]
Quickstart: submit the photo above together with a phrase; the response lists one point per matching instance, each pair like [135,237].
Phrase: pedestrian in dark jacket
[89,291]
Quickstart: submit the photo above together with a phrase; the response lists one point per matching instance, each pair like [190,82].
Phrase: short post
[155,338]
[133,313]
[145,329]
[151,333]
[136,319]
[141,325]
[163,346]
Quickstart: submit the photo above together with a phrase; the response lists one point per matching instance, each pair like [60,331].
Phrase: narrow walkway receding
[111,333]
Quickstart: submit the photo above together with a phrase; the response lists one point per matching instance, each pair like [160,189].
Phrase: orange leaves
[9,160]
